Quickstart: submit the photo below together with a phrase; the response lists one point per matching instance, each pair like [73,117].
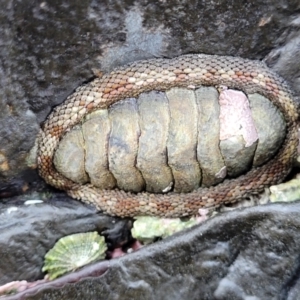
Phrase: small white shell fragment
[168,188]
[222,173]
[11,209]
[31,202]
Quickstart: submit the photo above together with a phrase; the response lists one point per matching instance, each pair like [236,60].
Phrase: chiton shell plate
[179,140]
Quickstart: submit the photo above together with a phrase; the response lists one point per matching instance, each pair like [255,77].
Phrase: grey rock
[248,254]
[28,232]
[285,58]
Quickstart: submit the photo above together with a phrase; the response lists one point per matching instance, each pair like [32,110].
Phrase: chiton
[177,140]
[165,155]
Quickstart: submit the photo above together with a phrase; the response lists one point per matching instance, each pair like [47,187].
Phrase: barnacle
[285,192]
[146,229]
[72,252]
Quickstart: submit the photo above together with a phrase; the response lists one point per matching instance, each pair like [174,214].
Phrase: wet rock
[29,231]
[246,254]
[284,59]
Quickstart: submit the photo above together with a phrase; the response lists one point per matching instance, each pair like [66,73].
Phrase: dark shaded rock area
[49,48]
[246,254]
[29,231]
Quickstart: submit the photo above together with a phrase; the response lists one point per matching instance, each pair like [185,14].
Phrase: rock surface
[246,254]
[29,231]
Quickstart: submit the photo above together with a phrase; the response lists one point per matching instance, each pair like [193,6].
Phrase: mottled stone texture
[250,254]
